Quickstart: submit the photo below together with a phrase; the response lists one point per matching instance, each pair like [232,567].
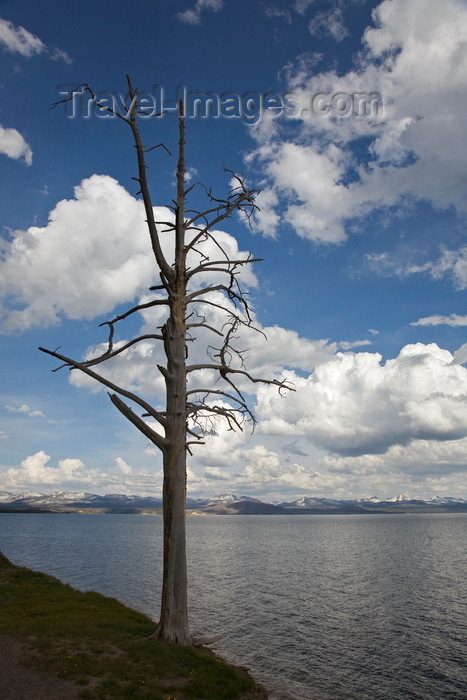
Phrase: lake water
[318,607]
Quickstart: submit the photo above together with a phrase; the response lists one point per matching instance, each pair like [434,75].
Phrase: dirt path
[19,682]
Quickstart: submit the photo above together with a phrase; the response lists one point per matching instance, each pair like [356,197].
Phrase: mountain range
[223,504]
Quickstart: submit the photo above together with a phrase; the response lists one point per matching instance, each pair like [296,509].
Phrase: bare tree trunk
[173,623]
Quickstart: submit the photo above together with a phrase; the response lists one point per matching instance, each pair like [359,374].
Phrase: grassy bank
[105,648]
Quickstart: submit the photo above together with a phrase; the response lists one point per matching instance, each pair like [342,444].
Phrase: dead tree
[183,421]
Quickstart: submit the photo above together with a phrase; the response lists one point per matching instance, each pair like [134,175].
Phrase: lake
[347,607]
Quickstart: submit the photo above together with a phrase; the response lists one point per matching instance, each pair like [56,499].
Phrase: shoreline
[57,642]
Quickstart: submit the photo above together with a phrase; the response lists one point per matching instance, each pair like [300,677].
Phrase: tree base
[166,633]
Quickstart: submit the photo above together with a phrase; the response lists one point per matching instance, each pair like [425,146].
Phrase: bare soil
[20,682]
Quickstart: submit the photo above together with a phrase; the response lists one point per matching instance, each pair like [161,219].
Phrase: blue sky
[361,227]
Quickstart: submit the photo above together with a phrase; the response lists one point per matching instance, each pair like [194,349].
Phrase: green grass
[104,647]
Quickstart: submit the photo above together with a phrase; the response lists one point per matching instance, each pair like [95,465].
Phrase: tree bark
[173,624]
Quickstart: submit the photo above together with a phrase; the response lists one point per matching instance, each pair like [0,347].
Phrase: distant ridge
[223,504]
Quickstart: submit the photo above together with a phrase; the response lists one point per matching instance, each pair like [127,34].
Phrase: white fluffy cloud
[415,58]
[13,145]
[83,262]
[34,469]
[422,467]
[429,458]
[123,466]
[35,472]
[353,404]
[93,254]
[397,426]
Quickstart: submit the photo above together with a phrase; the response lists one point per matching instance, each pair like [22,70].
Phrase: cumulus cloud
[421,468]
[83,262]
[13,145]
[353,404]
[93,254]
[123,466]
[428,458]
[415,58]
[35,470]
[460,356]
[260,470]
[396,426]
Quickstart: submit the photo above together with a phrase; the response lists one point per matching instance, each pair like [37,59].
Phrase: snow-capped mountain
[6,496]
[446,500]
[111,500]
[310,502]
[60,501]
[229,498]
[374,504]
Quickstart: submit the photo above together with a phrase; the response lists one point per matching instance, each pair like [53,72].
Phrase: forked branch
[73,364]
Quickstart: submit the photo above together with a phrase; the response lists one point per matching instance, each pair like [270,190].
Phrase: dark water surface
[369,607]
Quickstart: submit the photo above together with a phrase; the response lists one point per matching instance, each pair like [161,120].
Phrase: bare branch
[110,344]
[215,392]
[159,145]
[85,88]
[110,385]
[234,417]
[217,288]
[233,297]
[108,354]
[210,266]
[148,206]
[282,385]
[224,210]
[139,307]
[204,325]
[142,426]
